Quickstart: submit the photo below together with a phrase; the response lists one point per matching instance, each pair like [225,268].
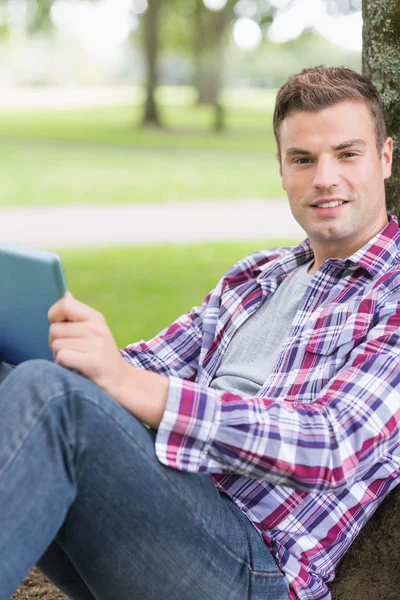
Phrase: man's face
[330,156]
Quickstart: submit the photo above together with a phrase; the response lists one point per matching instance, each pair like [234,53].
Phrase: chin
[331,234]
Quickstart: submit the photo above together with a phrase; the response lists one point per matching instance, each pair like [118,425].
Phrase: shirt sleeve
[314,447]
[175,351]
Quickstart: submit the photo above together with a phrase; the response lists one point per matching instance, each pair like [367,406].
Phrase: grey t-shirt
[255,347]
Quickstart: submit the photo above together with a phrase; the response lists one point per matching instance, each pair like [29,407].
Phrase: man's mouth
[328,204]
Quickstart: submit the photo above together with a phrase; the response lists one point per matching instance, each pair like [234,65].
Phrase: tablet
[31,281]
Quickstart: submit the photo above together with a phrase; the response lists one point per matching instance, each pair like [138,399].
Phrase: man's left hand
[81,339]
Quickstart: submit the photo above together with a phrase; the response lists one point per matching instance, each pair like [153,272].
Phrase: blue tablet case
[31,281]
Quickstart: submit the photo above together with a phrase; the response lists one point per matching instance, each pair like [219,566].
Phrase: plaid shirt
[310,458]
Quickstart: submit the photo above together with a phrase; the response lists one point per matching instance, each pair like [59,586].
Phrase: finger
[79,329]
[72,359]
[77,344]
[67,330]
[70,309]
[59,347]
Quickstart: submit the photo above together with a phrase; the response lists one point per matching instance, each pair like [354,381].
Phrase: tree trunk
[151,37]
[370,568]
[209,43]
[381,64]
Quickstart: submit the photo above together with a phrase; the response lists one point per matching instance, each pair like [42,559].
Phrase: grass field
[142,290]
[100,155]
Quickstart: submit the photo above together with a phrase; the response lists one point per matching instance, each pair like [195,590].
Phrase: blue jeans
[83,496]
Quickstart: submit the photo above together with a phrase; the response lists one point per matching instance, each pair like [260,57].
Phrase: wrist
[143,393]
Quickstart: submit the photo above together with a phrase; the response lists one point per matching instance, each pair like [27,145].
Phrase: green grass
[47,174]
[141,290]
[100,155]
[248,120]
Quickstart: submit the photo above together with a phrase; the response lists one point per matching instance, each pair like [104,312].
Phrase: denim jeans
[83,496]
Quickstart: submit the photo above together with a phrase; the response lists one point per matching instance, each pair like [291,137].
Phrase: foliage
[272,63]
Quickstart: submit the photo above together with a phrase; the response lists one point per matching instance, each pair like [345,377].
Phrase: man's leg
[77,469]
[4,371]
[55,563]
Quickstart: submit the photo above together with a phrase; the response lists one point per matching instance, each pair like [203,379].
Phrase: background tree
[209,42]
[370,569]
[39,19]
[191,30]
[381,64]
[151,29]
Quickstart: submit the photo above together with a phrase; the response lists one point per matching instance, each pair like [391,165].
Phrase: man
[273,408]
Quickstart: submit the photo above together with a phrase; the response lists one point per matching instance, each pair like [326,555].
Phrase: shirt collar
[375,256]
[289,259]
[379,253]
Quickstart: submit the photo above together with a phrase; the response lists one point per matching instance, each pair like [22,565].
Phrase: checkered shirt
[313,454]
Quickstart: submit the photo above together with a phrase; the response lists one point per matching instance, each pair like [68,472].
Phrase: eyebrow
[350,144]
[292,151]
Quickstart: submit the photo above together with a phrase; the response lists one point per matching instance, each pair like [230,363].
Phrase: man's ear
[386,157]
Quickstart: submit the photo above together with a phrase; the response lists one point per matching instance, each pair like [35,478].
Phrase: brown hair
[319,87]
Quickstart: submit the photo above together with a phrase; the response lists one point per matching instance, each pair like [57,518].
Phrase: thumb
[68,294]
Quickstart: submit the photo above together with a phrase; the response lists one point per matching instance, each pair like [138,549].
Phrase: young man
[273,407]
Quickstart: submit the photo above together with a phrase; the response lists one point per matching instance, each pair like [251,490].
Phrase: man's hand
[81,339]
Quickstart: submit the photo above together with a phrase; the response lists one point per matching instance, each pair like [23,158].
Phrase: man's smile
[328,202]
[328,206]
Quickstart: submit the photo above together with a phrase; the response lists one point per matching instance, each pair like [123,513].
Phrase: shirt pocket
[340,326]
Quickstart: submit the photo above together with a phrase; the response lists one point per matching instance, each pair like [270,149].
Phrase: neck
[340,249]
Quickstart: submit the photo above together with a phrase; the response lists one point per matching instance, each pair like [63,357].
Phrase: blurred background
[144,104]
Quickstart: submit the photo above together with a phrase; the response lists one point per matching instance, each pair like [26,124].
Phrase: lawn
[140,290]
[100,155]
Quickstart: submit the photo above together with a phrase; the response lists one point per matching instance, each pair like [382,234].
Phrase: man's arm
[81,340]
[142,393]
[315,447]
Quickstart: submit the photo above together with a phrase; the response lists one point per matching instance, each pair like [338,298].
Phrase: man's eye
[349,154]
[302,161]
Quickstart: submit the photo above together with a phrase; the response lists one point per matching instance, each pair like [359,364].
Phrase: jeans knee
[31,368]
[42,377]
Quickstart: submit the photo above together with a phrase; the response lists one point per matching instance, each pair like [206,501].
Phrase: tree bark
[151,36]
[370,568]
[381,64]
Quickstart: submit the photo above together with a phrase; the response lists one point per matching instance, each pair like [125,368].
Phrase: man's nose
[326,173]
